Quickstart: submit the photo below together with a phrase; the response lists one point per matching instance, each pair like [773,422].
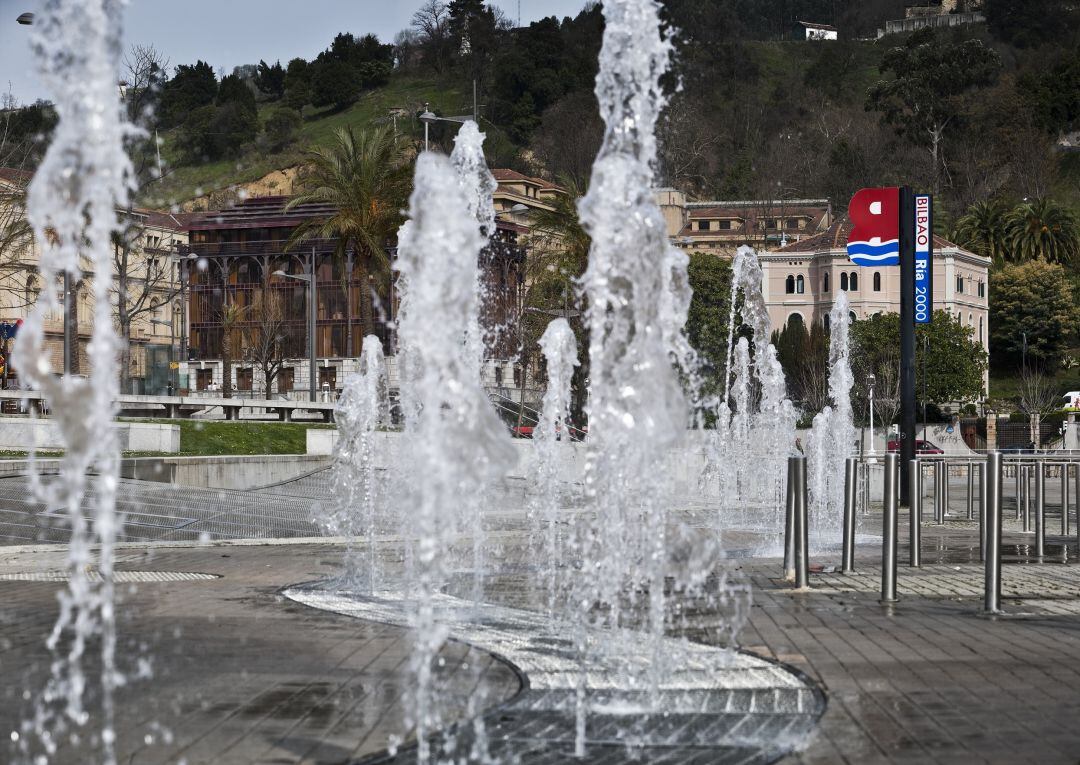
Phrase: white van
[1072,400]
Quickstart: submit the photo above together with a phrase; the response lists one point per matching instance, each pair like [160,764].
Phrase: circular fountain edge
[754,709]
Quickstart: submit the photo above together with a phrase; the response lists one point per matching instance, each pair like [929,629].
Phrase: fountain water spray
[832,436]
[82,181]
[552,439]
[455,443]
[754,441]
[362,409]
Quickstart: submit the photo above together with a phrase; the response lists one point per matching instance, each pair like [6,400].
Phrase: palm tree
[365,178]
[982,230]
[558,256]
[1043,229]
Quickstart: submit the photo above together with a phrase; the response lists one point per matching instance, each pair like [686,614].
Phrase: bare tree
[142,281]
[230,318]
[144,73]
[264,335]
[432,24]
[1037,397]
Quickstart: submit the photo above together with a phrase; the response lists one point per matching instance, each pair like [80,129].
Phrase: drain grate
[119,577]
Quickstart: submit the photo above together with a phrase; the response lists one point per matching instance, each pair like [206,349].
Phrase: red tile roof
[503,175]
[751,213]
[835,237]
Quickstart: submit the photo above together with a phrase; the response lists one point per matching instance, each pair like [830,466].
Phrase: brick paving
[241,675]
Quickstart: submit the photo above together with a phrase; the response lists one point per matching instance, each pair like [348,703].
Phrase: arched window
[980,329]
[877,281]
[843,281]
[800,284]
[825,321]
[854,281]
[960,284]
[33,290]
[852,318]
[825,288]
[789,285]
[795,318]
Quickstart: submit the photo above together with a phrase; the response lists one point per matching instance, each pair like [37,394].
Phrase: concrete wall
[227,472]
[20,433]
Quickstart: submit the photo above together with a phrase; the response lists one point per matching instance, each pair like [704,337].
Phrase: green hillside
[404,91]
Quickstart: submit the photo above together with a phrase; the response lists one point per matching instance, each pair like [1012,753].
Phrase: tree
[298,84]
[929,83]
[1043,229]
[364,177]
[432,24]
[190,88]
[142,282]
[707,319]
[231,318]
[875,350]
[1032,23]
[334,83]
[558,256]
[144,75]
[1033,299]
[234,90]
[271,80]
[954,361]
[281,126]
[265,331]
[982,229]
[474,32]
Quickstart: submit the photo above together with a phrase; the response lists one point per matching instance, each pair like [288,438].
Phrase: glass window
[286,379]
[854,281]
[704,225]
[800,284]
[725,225]
[843,281]
[852,317]
[877,281]
[825,321]
[789,285]
[960,284]
[826,283]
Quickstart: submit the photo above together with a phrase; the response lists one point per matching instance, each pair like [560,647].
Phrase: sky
[227,33]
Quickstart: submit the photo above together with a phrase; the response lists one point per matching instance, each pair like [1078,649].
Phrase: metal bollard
[789,524]
[802,531]
[851,497]
[1040,510]
[982,511]
[991,511]
[1076,500]
[1064,499]
[939,518]
[944,491]
[889,528]
[866,489]
[915,497]
[1026,485]
[971,490]
[1016,490]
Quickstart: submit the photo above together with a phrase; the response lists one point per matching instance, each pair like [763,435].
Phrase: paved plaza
[243,671]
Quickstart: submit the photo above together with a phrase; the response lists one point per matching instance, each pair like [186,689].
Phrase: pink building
[802,279]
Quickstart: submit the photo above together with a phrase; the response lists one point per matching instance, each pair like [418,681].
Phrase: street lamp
[70,332]
[870,381]
[310,279]
[428,117]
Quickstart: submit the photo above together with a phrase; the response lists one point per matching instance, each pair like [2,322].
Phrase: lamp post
[27,19]
[870,381]
[312,350]
[428,117]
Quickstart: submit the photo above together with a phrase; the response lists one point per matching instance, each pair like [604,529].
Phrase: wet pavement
[242,674]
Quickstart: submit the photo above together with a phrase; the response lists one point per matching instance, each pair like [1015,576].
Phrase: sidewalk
[243,675]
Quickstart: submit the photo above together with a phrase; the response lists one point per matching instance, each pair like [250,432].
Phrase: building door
[244,377]
[286,379]
[203,378]
[328,378]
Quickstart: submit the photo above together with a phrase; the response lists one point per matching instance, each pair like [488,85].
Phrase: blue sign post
[924,259]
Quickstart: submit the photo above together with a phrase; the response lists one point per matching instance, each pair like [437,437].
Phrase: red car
[921,447]
[522,431]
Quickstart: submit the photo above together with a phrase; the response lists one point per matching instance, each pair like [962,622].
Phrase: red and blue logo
[875,235]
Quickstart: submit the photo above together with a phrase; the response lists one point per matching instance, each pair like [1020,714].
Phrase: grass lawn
[200,438]
[405,91]
[206,438]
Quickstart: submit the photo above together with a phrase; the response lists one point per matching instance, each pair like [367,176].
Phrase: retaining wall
[22,433]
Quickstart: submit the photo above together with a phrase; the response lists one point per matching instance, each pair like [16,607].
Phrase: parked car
[522,431]
[921,447]
[1072,400]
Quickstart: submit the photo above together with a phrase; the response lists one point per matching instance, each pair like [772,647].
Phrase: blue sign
[875,227]
[924,259]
